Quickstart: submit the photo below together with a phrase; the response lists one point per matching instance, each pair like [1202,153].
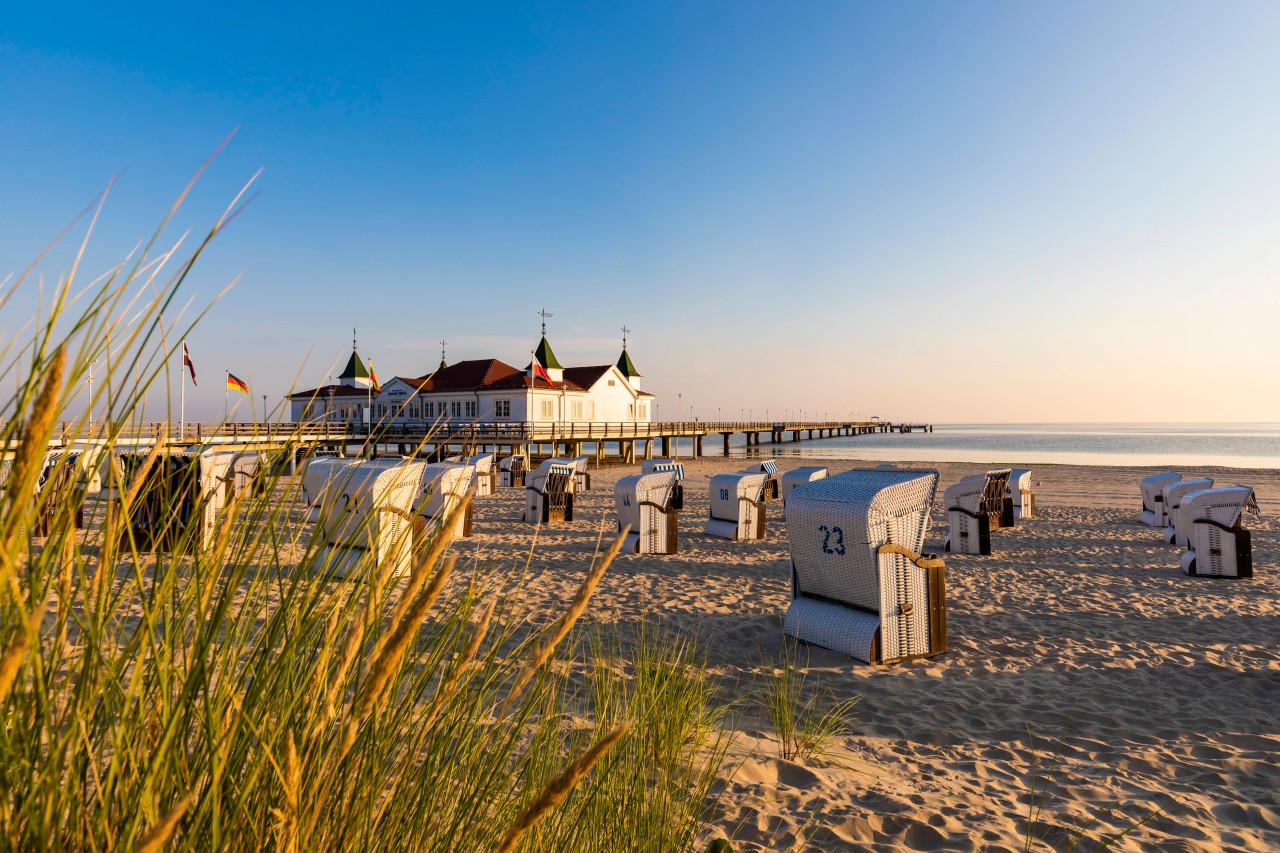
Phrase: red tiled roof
[485,374]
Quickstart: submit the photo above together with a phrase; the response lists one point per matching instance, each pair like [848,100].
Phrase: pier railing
[145,432]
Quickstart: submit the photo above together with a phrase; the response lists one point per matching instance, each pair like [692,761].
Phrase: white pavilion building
[484,391]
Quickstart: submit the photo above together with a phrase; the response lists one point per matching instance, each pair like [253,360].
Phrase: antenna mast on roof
[543,313]
[625,332]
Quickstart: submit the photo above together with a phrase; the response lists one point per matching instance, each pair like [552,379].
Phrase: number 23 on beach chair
[859,584]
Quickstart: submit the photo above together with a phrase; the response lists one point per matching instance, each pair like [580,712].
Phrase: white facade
[610,398]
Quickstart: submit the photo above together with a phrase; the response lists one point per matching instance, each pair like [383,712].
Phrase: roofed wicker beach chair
[650,466]
[180,499]
[770,467]
[800,476]
[511,471]
[1218,545]
[971,505]
[581,475]
[859,584]
[486,477]
[1152,488]
[737,505]
[56,492]
[643,502]
[549,494]
[1020,493]
[366,524]
[443,487]
[249,474]
[322,477]
[1175,532]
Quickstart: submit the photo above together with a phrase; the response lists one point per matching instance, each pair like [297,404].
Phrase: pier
[629,440]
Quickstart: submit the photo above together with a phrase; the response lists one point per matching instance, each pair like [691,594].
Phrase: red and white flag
[540,372]
[186,362]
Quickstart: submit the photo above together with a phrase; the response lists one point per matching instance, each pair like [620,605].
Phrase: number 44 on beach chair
[859,584]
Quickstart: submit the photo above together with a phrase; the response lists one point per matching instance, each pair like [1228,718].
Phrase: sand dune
[1167,687]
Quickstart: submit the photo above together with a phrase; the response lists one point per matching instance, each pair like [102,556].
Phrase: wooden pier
[629,440]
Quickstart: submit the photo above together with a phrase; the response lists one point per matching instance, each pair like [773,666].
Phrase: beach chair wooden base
[1222,552]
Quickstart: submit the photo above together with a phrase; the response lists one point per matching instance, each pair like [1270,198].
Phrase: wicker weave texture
[541,483]
[354,521]
[637,498]
[444,485]
[835,526]
[735,498]
[1173,493]
[1153,487]
[841,629]
[800,476]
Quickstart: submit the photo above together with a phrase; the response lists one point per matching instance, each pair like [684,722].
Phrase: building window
[429,410]
[471,409]
[611,383]
[548,410]
[644,411]
[455,408]
[576,409]
[591,410]
[502,408]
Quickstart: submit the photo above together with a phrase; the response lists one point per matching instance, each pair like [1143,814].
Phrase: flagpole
[182,379]
[226,397]
[369,396]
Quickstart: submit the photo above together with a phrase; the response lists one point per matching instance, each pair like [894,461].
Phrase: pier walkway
[632,440]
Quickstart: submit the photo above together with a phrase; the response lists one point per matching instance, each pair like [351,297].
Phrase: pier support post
[666,446]
[726,443]
[697,446]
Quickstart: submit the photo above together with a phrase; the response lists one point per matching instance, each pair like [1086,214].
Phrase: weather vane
[443,343]
[545,315]
[625,332]
[353,337]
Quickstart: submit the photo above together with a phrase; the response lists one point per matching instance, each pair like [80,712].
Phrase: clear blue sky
[935,211]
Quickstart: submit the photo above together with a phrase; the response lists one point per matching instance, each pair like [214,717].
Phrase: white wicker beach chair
[800,476]
[643,501]
[248,473]
[1152,488]
[859,584]
[737,505]
[549,493]
[1175,532]
[968,527]
[322,476]
[1219,546]
[1020,493]
[511,471]
[651,466]
[770,467]
[180,499]
[367,524]
[486,477]
[581,475]
[56,492]
[444,485]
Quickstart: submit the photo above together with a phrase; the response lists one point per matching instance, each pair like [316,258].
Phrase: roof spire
[543,313]
[443,363]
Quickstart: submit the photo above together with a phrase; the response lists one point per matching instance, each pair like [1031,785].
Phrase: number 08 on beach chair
[859,584]
[643,502]
[737,505]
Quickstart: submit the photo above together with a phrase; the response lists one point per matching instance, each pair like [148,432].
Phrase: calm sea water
[1172,445]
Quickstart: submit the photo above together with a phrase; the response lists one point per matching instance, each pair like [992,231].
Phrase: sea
[1251,445]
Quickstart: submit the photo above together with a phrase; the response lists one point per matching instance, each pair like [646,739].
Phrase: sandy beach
[1166,686]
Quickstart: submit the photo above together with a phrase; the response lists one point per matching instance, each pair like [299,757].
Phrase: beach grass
[239,697]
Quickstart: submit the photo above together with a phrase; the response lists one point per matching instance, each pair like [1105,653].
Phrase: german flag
[234,384]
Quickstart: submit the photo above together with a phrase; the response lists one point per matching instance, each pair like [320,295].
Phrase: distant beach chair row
[980,503]
[1206,522]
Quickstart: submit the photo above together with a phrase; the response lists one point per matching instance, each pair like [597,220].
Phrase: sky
[935,212]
